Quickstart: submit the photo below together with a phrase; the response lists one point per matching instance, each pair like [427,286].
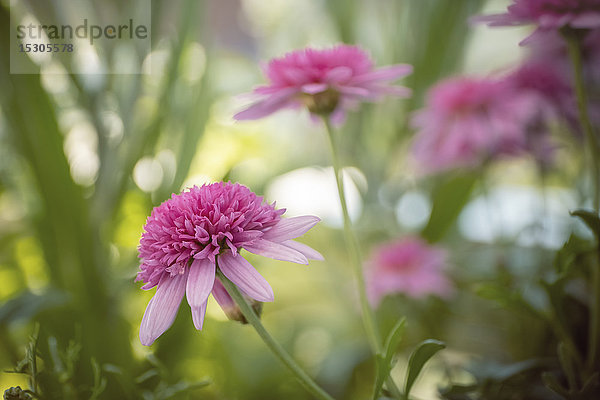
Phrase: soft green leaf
[591,219]
[427,349]
[449,198]
[552,383]
[566,257]
[27,305]
[384,362]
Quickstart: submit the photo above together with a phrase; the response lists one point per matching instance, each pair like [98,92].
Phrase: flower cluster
[192,234]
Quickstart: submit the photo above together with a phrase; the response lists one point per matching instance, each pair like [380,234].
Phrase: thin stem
[574,47]
[352,247]
[393,389]
[594,318]
[275,347]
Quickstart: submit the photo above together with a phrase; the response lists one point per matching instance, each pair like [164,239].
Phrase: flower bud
[230,307]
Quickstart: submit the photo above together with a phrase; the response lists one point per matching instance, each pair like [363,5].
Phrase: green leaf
[449,199]
[590,218]
[552,383]
[27,305]
[566,258]
[427,349]
[384,361]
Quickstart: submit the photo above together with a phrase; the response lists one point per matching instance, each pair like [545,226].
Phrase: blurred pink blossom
[326,81]
[409,266]
[192,234]
[467,121]
[548,14]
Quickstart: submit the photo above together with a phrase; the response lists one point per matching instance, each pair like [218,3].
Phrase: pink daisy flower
[409,266]
[549,14]
[326,81]
[469,120]
[192,234]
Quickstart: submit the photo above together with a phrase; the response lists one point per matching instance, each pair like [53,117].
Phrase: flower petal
[290,228]
[267,106]
[354,91]
[198,316]
[307,251]
[338,74]
[239,271]
[162,308]
[313,88]
[222,297]
[276,251]
[384,74]
[200,282]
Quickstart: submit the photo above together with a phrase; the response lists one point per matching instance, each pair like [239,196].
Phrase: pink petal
[200,282]
[384,74]
[589,20]
[239,271]
[222,297]
[313,88]
[276,251]
[354,91]
[307,251]
[267,106]
[338,75]
[198,315]
[162,308]
[290,228]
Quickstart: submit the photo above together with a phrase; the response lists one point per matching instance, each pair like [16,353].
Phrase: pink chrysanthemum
[190,235]
[326,81]
[549,14]
[409,266]
[550,83]
[469,120]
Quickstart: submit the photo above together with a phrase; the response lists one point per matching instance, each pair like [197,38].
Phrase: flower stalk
[573,40]
[352,246]
[273,345]
[574,48]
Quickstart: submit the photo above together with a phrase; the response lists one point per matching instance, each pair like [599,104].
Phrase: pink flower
[550,83]
[192,234]
[469,120]
[326,81]
[548,87]
[409,266]
[549,14]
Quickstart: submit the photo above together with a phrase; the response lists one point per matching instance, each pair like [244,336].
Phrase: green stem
[573,40]
[594,318]
[352,247]
[393,389]
[275,347]
[574,48]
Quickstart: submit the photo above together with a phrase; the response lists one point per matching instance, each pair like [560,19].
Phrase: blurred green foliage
[68,243]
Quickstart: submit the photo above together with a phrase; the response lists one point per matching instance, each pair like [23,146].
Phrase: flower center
[323,103]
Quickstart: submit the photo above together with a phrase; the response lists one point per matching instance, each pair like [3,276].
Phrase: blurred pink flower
[409,266]
[326,81]
[469,120]
[192,234]
[549,88]
[548,14]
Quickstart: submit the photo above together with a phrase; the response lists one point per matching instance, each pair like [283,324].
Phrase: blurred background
[85,157]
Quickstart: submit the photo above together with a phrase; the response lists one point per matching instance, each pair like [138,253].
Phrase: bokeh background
[84,158]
